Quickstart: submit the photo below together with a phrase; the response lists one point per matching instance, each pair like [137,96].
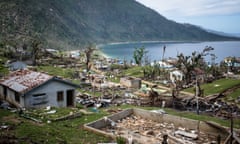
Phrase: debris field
[147,131]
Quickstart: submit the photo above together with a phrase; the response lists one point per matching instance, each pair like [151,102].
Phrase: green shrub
[121,140]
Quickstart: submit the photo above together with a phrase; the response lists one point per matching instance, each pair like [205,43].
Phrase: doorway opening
[70,98]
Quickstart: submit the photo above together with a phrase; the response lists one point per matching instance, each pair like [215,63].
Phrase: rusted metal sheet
[24,80]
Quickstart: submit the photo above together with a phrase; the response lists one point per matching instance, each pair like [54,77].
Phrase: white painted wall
[51,88]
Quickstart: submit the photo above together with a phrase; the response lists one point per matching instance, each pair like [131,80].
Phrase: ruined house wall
[121,115]
[179,122]
[176,120]
[131,82]
[102,123]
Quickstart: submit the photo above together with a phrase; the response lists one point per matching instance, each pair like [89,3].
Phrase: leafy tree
[138,55]
[35,50]
[3,70]
[187,64]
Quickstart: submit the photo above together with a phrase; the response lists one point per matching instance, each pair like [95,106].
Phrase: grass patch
[68,131]
[190,115]
[3,69]
[216,86]
[202,117]
[60,132]
[114,79]
[234,95]
[4,113]
[136,71]
[57,71]
[43,115]
[61,72]
[72,131]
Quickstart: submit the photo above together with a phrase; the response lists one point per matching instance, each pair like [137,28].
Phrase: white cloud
[171,8]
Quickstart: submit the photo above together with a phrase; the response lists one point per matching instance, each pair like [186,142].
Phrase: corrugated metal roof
[24,80]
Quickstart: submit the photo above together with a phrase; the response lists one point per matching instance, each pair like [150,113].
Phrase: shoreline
[167,41]
[101,53]
[164,41]
[173,48]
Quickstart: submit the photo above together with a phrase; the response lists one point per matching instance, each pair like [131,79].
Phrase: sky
[218,15]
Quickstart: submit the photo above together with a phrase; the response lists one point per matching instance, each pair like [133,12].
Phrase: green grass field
[135,71]
[216,86]
[68,131]
[72,131]
[57,71]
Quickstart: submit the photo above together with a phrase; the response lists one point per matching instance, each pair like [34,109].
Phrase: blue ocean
[124,51]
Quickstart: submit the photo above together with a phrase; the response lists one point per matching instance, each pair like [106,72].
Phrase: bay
[125,51]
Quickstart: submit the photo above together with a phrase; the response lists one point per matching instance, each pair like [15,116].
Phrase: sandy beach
[100,53]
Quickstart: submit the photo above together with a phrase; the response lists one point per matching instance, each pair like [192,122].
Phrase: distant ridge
[72,24]
[223,33]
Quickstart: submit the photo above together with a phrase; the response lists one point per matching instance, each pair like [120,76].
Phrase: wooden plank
[236,137]
[177,140]
[186,134]
[227,139]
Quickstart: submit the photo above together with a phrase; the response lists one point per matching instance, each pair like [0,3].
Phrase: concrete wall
[50,89]
[130,82]
[102,123]
[176,120]
[179,122]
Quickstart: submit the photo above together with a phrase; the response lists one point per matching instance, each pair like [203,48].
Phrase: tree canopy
[187,64]
[139,54]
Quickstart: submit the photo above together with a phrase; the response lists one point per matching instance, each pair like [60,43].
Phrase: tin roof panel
[24,80]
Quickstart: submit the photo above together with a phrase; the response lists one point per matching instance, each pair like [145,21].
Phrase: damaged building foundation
[142,126]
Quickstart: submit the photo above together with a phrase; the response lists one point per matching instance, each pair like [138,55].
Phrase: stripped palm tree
[88,52]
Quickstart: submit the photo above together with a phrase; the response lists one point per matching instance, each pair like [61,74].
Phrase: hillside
[66,24]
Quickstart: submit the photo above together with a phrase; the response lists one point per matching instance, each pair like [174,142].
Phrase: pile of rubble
[105,100]
[114,94]
[147,131]
[212,105]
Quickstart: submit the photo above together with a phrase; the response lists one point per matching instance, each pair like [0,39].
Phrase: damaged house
[30,89]
[131,82]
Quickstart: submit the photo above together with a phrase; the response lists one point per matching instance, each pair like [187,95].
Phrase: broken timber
[186,134]
[235,137]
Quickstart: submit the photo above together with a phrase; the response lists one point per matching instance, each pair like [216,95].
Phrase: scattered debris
[30,118]
[4,105]
[70,116]
[186,134]
[4,127]
[52,112]
[141,128]
[160,111]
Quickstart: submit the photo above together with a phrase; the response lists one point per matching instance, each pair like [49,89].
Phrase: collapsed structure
[141,126]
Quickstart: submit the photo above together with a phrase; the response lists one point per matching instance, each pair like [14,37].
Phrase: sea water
[124,51]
